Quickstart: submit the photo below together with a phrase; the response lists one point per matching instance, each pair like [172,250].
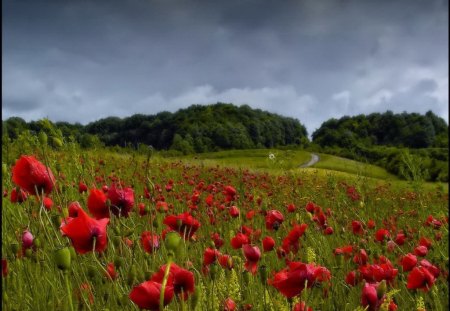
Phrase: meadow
[235,230]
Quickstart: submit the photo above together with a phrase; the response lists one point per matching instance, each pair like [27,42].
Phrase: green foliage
[201,129]
[411,130]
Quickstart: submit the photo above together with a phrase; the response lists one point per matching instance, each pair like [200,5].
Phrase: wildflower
[146,295]
[180,279]
[83,230]
[149,241]
[32,176]
[122,200]
[274,219]
[184,224]
[268,244]
[420,278]
[252,255]
[238,240]
[18,195]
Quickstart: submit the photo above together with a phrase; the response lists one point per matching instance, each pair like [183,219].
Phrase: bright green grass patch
[255,158]
[334,163]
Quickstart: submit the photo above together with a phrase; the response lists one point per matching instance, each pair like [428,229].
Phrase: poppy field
[99,230]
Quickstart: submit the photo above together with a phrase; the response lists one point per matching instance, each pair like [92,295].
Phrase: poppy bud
[172,241]
[73,254]
[27,239]
[4,169]
[37,242]
[28,252]
[57,142]
[381,289]
[43,138]
[65,212]
[62,258]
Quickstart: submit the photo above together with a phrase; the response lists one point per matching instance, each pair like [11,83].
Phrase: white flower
[271,156]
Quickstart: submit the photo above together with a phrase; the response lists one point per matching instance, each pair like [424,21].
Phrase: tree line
[385,139]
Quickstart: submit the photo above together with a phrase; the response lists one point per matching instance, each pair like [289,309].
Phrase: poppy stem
[164,283]
[69,291]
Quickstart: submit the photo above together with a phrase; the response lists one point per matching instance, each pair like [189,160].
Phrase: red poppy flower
[111,271]
[310,206]
[210,255]
[97,204]
[351,278]
[238,240]
[421,251]
[433,269]
[226,261]
[234,211]
[18,195]
[345,250]
[4,267]
[291,208]
[291,241]
[184,224]
[369,297]
[229,305]
[83,229]
[48,203]
[230,193]
[82,187]
[73,209]
[268,243]
[420,278]
[371,224]
[425,242]
[218,241]
[122,200]
[146,295]
[378,272]
[400,238]
[252,255]
[149,241]
[274,219]
[382,234]
[361,258]
[31,175]
[328,230]
[291,281]
[357,227]
[209,200]
[408,262]
[180,279]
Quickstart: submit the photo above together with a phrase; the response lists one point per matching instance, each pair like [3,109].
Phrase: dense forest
[409,145]
[410,130]
[194,129]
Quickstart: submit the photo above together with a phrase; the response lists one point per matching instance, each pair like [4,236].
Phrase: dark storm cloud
[83,60]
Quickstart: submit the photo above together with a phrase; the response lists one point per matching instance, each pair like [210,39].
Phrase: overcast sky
[82,60]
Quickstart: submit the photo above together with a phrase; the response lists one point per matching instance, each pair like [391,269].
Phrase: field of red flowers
[103,231]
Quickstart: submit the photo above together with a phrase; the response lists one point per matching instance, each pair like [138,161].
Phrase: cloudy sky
[82,60]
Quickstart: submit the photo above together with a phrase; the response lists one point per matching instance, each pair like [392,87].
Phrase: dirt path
[314,160]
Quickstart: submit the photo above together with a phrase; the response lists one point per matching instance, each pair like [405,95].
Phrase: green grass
[255,159]
[334,163]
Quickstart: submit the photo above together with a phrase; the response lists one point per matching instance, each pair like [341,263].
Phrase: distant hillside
[409,145]
[410,130]
[194,129]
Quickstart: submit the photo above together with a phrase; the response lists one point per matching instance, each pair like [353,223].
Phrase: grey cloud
[307,59]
